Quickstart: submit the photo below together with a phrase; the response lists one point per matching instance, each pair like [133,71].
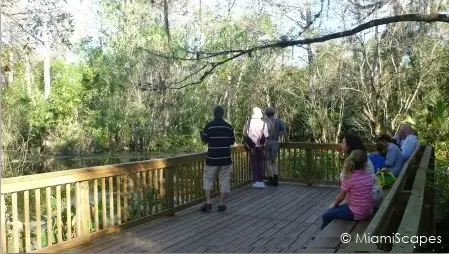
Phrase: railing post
[169,190]
[83,208]
[308,166]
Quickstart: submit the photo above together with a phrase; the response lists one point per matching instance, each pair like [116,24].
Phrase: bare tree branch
[213,65]
[233,54]
[375,5]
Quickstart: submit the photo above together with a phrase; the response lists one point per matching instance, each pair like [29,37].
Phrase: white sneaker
[256,185]
[261,185]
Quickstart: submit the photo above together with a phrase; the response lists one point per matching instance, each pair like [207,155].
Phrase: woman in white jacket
[257,130]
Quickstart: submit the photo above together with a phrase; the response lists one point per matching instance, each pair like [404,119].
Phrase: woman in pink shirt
[257,129]
[356,187]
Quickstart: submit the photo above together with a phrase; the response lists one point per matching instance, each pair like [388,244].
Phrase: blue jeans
[339,212]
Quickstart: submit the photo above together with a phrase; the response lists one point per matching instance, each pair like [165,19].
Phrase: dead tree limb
[236,53]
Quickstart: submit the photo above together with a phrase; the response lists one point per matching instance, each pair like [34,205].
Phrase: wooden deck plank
[290,250]
[318,250]
[278,205]
[152,239]
[310,239]
[282,237]
[183,238]
[221,239]
[198,240]
[268,193]
[279,236]
[259,201]
[312,210]
[357,231]
[330,236]
[288,225]
[317,201]
[270,220]
[316,211]
[271,249]
[202,236]
[221,235]
[279,223]
[232,234]
[165,223]
[175,239]
[257,231]
[160,226]
[293,235]
[249,239]
[304,237]
[279,212]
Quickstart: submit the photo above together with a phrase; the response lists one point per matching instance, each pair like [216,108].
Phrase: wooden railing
[312,163]
[419,215]
[54,211]
[59,210]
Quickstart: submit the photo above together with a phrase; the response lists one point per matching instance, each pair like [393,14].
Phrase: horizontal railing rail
[312,163]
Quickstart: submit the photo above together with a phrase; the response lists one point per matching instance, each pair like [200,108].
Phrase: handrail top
[376,222]
[28,182]
[410,222]
[20,183]
[173,158]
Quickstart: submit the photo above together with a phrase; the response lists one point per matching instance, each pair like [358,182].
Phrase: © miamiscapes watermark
[394,238]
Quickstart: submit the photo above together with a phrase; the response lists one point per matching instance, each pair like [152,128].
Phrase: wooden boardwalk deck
[281,219]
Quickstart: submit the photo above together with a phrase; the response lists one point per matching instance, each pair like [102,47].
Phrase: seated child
[377,157]
[357,187]
[377,190]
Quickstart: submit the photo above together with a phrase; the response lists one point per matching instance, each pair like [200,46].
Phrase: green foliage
[119,97]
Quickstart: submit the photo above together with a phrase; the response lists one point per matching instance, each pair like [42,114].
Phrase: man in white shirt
[408,141]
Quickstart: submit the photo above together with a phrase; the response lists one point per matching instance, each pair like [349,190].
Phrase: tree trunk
[47,75]
[340,120]
[228,100]
[11,68]
[376,127]
[28,72]
[46,64]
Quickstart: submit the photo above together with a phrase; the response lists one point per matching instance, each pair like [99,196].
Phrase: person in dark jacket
[276,130]
[219,135]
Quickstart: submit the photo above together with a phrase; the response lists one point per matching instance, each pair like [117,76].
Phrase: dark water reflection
[59,163]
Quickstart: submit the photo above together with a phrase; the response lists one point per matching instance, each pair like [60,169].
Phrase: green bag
[385,178]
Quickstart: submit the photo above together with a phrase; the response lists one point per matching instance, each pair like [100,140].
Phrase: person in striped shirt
[219,135]
[356,187]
